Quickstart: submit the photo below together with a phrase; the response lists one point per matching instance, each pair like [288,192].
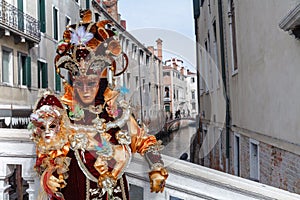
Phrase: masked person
[101,132]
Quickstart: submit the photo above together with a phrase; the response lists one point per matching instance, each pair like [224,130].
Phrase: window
[254,160]
[20,15]
[136,81]
[237,154]
[166,73]
[57,82]
[7,66]
[67,21]
[206,68]
[97,17]
[42,75]
[215,46]
[232,28]
[55,23]
[167,107]
[24,69]
[220,150]
[87,4]
[42,16]
[193,94]
[144,85]
[193,106]
[128,80]
[167,92]
[174,93]
[136,192]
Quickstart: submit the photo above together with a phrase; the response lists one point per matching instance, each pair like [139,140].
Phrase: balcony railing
[17,21]
[186,181]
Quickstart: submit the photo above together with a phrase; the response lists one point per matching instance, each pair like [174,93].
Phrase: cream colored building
[28,46]
[29,35]
[143,77]
[180,89]
[255,48]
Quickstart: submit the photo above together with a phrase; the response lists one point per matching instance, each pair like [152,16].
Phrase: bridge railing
[186,181]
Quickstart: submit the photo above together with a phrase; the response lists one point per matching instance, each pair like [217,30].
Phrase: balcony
[22,25]
[186,181]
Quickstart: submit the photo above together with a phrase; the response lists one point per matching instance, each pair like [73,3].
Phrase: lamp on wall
[23,39]
[7,32]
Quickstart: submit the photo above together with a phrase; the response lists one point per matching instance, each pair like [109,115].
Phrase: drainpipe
[196,149]
[140,84]
[220,12]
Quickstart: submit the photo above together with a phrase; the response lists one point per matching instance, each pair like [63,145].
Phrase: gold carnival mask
[86,86]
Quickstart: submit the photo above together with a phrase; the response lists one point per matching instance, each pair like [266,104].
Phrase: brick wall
[277,167]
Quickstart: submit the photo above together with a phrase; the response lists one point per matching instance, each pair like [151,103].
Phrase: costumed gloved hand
[158,179]
[55,183]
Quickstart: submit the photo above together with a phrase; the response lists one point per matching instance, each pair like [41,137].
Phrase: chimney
[174,64]
[112,8]
[182,70]
[159,48]
[123,23]
[151,48]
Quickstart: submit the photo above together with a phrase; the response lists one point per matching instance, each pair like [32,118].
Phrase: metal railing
[19,21]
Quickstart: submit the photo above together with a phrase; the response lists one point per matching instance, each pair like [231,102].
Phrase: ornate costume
[85,138]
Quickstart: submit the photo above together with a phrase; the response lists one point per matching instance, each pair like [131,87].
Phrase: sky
[170,20]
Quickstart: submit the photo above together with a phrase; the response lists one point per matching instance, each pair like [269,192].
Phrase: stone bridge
[186,181]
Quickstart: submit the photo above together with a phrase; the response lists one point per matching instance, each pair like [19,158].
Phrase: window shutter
[45,75]
[42,16]
[57,83]
[20,15]
[28,71]
[55,23]
[87,4]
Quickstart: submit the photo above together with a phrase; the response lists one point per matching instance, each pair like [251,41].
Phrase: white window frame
[206,68]
[254,142]
[236,163]
[58,20]
[233,71]
[20,71]
[70,20]
[40,74]
[10,67]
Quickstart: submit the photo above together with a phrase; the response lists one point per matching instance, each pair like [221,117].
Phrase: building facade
[254,46]
[179,90]
[29,34]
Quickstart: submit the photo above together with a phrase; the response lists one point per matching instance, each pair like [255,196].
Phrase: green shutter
[39,74]
[19,68]
[20,15]
[87,4]
[28,71]
[42,16]
[55,24]
[57,82]
[44,75]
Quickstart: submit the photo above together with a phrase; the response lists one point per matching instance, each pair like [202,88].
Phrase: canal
[178,142]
